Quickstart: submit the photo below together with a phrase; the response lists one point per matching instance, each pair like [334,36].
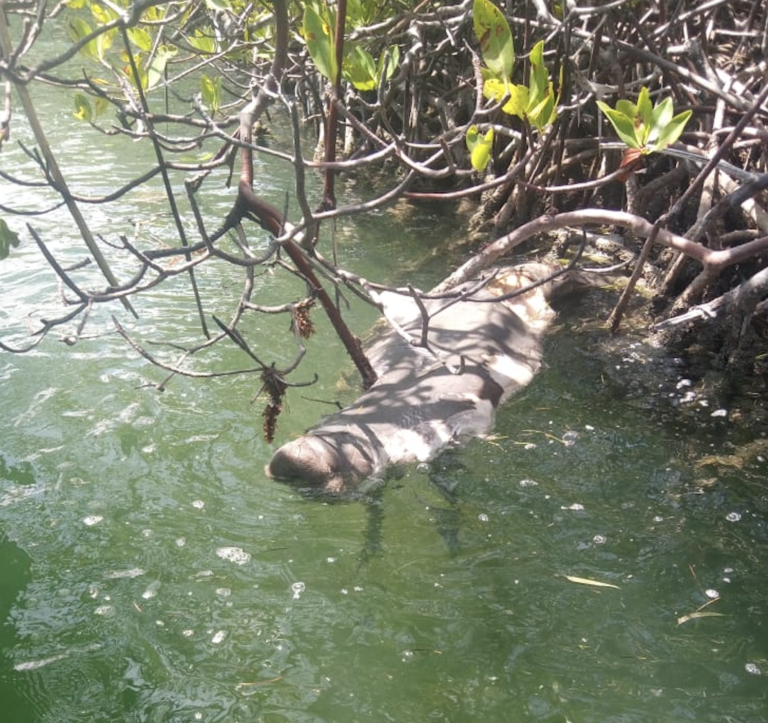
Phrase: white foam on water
[233,554]
[132,572]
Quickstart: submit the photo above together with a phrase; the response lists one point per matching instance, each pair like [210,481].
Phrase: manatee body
[478,353]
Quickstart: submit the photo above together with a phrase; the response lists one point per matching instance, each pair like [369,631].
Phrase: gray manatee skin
[479,354]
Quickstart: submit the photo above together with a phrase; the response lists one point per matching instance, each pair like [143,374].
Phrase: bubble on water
[528,483]
[422,468]
[753,669]
[187,633]
[330,560]
[344,591]
[198,504]
[233,554]
[223,591]
[570,438]
[589,428]
[151,590]
[218,636]
[599,539]
[407,656]
[104,610]
[146,532]
[92,520]
[297,588]
[576,506]
[733,516]
[205,573]
[712,594]
[357,588]
[483,517]
[181,541]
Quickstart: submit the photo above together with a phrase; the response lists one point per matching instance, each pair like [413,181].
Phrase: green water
[150,572]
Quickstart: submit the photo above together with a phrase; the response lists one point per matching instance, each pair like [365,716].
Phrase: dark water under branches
[150,572]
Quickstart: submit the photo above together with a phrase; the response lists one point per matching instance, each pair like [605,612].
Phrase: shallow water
[150,572]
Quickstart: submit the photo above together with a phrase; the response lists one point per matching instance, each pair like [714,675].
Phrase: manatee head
[330,462]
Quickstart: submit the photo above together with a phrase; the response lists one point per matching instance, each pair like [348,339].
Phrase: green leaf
[672,131]
[543,114]
[141,71]
[538,82]
[628,108]
[140,38]
[8,238]
[517,101]
[210,90]
[317,34]
[623,125]
[104,43]
[660,118]
[83,110]
[643,121]
[101,14]
[99,106]
[203,40]
[77,29]
[360,68]
[156,72]
[480,147]
[495,38]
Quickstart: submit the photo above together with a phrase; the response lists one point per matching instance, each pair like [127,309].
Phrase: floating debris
[588,581]
[695,616]
[233,554]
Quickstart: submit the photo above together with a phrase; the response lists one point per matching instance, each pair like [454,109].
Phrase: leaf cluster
[643,126]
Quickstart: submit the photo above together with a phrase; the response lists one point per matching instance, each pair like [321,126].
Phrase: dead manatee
[478,353]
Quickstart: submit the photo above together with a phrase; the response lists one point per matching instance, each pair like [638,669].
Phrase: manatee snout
[328,463]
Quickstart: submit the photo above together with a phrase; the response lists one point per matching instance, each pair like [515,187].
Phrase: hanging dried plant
[301,318]
[275,387]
